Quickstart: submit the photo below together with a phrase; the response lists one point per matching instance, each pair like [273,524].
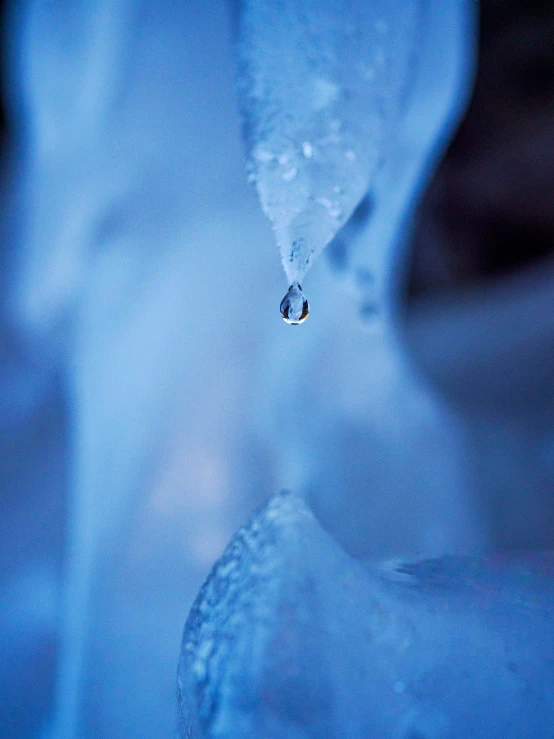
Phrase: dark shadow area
[489,210]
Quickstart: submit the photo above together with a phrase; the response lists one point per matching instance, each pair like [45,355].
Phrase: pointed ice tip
[294,306]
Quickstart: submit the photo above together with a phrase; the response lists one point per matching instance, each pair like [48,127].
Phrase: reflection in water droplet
[294,306]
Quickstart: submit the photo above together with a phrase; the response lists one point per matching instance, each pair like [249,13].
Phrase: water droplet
[294,306]
[325,202]
[263,156]
[335,211]
[325,93]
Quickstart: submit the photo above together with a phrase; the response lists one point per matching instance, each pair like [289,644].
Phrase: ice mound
[291,637]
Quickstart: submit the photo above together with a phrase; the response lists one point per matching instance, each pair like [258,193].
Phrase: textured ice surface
[291,637]
[134,207]
[323,84]
[131,206]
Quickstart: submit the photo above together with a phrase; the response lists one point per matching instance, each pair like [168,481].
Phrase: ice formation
[323,84]
[130,181]
[291,637]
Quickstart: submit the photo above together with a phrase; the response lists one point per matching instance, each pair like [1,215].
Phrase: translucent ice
[290,637]
[128,140]
[323,83]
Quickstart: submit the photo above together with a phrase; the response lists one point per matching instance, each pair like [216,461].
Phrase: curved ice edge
[291,637]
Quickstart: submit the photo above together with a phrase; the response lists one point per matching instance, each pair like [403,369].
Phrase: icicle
[322,85]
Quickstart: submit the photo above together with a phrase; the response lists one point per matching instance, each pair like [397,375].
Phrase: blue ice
[151,396]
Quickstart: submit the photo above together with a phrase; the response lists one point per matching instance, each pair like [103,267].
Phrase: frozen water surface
[291,637]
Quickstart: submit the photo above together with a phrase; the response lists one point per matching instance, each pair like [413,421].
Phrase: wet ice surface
[291,637]
[132,181]
[294,307]
[323,86]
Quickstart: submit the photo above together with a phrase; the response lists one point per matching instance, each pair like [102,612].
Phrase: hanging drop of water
[294,306]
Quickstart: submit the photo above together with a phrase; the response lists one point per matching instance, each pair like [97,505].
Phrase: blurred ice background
[150,394]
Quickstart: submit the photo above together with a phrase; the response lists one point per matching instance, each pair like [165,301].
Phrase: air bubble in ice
[294,306]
